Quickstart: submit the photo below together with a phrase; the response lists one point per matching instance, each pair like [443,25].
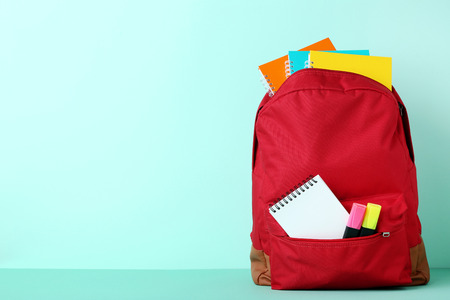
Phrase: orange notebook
[274,72]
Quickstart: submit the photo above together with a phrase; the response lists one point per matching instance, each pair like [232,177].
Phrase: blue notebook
[298,60]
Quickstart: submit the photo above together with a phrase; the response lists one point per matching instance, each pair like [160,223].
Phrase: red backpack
[353,132]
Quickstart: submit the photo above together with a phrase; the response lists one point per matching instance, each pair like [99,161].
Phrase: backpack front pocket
[378,260]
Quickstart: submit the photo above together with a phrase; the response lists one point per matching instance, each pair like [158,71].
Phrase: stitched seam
[321,89]
[333,73]
[338,244]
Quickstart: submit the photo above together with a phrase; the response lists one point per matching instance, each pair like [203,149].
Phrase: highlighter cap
[371,216]
[356,216]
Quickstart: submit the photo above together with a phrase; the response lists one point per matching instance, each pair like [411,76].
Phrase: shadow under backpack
[354,132]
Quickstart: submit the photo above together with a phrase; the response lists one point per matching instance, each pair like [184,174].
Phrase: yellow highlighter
[370,219]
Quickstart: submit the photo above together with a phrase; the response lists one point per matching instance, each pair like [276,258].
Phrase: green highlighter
[370,219]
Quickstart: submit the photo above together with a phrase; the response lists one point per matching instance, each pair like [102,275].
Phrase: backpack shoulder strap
[255,140]
[405,122]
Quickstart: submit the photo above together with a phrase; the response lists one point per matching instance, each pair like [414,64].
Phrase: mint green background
[26,284]
[126,126]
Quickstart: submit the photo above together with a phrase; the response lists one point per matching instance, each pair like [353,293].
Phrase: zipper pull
[386,234]
[400,107]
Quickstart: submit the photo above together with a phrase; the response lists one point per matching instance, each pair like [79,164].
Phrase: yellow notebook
[376,67]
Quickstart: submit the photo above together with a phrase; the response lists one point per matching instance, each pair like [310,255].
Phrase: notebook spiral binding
[288,68]
[309,64]
[297,191]
[267,85]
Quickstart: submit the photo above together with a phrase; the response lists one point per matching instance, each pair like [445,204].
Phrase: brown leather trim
[260,267]
[420,271]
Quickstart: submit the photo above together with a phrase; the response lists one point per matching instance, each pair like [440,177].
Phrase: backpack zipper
[389,95]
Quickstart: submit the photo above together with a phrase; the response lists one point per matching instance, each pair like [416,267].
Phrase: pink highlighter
[355,220]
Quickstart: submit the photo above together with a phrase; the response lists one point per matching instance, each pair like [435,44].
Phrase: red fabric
[347,128]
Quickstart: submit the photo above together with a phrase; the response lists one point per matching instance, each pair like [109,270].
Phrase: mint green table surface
[63,284]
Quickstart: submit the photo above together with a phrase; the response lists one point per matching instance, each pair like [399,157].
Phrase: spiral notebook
[378,68]
[298,60]
[273,73]
[311,211]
